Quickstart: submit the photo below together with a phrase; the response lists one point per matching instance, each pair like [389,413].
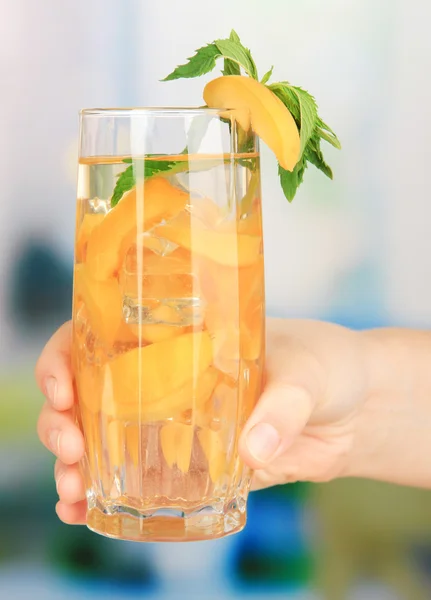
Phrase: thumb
[283,410]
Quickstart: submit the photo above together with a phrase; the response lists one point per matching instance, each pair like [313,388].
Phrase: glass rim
[153,111]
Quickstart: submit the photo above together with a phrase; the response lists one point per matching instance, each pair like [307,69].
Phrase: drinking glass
[168,319]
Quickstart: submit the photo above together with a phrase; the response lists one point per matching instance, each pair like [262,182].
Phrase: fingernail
[54,441]
[59,477]
[263,441]
[51,390]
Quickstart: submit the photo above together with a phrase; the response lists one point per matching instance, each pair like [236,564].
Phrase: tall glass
[168,319]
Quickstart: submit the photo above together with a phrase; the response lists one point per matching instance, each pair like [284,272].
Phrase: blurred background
[356,251]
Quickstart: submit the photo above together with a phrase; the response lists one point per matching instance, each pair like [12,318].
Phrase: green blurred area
[20,403]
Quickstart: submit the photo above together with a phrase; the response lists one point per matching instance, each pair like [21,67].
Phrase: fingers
[72,514]
[53,370]
[293,386]
[59,433]
[279,418]
[57,430]
[70,483]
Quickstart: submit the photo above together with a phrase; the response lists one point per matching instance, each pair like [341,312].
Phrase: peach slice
[215,451]
[194,393]
[251,225]
[157,333]
[103,303]
[270,119]
[88,223]
[122,440]
[224,248]
[234,314]
[252,331]
[232,342]
[230,290]
[152,260]
[89,385]
[225,405]
[176,440]
[137,211]
[158,380]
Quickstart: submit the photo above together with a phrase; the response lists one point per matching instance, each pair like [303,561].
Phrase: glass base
[165,525]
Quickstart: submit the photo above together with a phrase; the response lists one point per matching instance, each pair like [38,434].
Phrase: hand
[302,428]
[56,427]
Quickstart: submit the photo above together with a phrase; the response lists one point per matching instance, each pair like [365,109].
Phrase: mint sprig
[301,104]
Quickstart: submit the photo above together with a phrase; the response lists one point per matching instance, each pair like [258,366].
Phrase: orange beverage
[168,335]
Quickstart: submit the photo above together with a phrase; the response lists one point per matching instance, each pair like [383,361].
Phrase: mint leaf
[326,133]
[314,155]
[267,75]
[127,179]
[125,182]
[291,180]
[289,99]
[233,49]
[312,129]
[302,107]
[231,67]
[234,36]
[202,62]
[308,112]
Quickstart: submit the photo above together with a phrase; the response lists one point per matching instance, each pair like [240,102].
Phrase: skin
[336,403]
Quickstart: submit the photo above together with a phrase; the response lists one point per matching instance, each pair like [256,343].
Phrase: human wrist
[391,439]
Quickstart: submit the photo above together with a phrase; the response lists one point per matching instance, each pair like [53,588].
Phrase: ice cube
[98,206]
[178,312]
[159,286]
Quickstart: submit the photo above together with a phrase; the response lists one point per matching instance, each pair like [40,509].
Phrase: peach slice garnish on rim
[269,118]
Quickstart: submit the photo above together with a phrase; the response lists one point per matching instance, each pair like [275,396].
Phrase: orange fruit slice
[269,118]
